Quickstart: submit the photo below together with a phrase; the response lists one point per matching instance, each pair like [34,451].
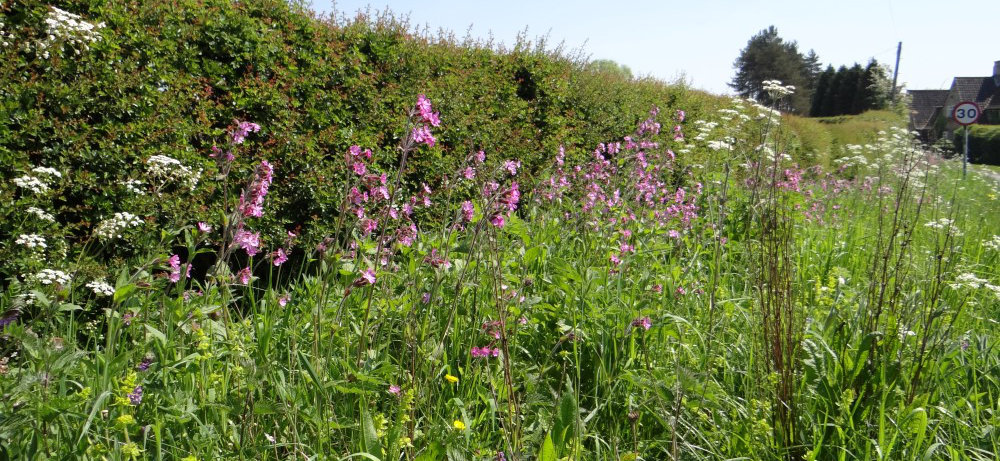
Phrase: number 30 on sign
[965,113]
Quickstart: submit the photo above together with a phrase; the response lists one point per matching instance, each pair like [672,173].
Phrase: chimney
[996,73]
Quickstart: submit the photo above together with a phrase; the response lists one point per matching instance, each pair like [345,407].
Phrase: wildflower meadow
[242,272]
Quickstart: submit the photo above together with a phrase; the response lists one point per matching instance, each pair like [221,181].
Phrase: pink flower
[422,134]
[406,234]
[252,199]
[497,220]
[359,168]
[249,241]
[283,300]
[204,227]
[239,133]
[175,268]
[394,389]
[644,322]
[368,226]
[425,298]
[426,112]
[615,260]
[468,211]
[511,166]
[469,173]
[658,288]
[279,257]
[368,275]
[680,115]
[484,352]
[244,275]
[436,261]
[480,157]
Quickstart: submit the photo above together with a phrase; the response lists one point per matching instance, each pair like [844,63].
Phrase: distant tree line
[819,93]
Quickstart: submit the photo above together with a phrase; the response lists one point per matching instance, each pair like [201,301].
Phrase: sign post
[965,113]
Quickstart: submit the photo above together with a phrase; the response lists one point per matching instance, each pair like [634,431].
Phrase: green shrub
[984,144]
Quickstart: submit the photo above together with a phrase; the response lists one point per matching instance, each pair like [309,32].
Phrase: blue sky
[699,40]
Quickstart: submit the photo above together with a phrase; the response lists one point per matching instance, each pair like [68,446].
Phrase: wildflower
[50,276]
[169,169]
[135,397]
[480,157]
[644,322]
[468,211]
[422,134]
[31,241]
[284,299]
[451,379]
[369,276]
[244,275]
[252,199]
[484,352]
[175,268]
[680,116]
[249,241]
[368,226]
[359,168]
[239,134]
[425,298]
[114,226]
[125,421]
[31,183]
[469,173]
[41,214]
[426,111]
[436,261]
[101,288]
[407,234]
[204,227]
[497,220]
[145,363]
[394,389]
[131,450]
[511,166]
[280,257]
[458,425]
[127,318]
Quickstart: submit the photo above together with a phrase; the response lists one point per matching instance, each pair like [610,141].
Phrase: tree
[822,92]
[768,57]
[611,67]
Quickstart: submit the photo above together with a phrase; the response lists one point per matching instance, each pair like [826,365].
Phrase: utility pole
[895,73]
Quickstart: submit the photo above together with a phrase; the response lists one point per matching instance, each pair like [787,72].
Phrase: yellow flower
[458,423]
[190,458]
[125,421]
[450,378]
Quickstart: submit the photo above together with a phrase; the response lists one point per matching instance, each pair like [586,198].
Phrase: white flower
[31,241]
[993,244]
[41,214]
[50,276]
[44,170]
[113,227]
[134,186]
[168,169]
[101,288]
[31,183]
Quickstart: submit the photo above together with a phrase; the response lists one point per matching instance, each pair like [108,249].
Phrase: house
[930,110]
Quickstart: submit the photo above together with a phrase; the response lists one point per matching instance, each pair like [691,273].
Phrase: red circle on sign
[966,113]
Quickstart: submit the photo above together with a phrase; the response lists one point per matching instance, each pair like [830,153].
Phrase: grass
[697,298]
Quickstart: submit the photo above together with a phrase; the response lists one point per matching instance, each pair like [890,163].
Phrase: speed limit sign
[965,113]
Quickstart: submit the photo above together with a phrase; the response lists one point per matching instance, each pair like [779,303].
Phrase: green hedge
[170,77]
[984,144]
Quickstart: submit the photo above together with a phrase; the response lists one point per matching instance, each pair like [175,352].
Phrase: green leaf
[548,450]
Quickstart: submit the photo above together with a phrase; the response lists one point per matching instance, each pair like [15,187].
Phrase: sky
[698,40]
